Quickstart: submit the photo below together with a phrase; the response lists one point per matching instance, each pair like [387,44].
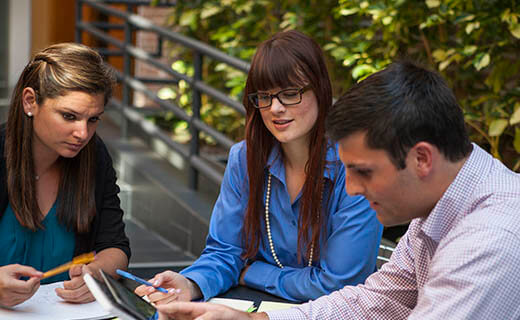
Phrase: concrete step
[150,250]
[157,201]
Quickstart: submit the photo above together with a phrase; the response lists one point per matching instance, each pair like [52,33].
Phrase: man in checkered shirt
[402,139]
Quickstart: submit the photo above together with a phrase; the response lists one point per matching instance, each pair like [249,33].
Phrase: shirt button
[293,223]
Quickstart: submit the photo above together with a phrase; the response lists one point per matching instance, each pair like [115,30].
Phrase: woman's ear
[30,106]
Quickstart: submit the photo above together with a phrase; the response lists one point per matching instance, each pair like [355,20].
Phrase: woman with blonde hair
[57,184]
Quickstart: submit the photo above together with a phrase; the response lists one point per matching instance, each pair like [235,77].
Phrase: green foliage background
[473,43]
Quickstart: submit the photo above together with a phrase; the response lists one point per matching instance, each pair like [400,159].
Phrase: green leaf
[209,11]
[387,20]
[515,30]
[443,65]
[290,20]
[433,3]
[188,18]
[469,50]
[464,18]
[183,85]
[348,12]
[339,52]
[376,14]
[439,54]
[481,61]
[220,67]
[350,59]
[472,26]
[166,93]
[448,57]
[515,118]
[497,127]
[506,15]
[329,46]
[361,70]
[184,100]
[516,142]
[432,20]
[179,66]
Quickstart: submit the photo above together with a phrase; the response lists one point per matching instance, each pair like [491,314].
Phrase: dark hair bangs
[276,68]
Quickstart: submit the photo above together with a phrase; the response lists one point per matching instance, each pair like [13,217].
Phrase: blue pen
[137,279]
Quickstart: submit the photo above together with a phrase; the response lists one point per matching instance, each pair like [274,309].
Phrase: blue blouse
[43,249]
[347,258]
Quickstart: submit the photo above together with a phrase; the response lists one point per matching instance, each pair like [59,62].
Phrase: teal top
[43,249]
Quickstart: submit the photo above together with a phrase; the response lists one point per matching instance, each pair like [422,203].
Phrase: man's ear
[423,157]
[30,106]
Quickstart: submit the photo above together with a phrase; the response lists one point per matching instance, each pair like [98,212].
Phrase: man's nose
[352,186]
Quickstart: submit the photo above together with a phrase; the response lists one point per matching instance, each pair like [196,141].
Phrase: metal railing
[125,48]
[384,254]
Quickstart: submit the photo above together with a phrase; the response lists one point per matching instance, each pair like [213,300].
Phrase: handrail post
[127,49]
[194,143]
[79,17]
[127,98]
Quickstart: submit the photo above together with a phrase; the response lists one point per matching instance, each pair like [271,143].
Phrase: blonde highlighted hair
[55,71]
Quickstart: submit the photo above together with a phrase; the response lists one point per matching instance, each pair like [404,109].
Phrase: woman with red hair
[283,222]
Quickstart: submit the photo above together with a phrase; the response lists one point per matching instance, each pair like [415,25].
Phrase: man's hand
[75,290]
[204,311]
[14,291]
[179,288]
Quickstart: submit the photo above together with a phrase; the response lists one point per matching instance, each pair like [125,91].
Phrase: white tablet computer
[118,300]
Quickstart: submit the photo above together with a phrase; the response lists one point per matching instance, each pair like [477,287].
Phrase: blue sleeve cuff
[258,276]
[202,282]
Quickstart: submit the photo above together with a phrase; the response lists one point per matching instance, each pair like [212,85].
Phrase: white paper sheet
[46,305]
[242,305]
[270,305]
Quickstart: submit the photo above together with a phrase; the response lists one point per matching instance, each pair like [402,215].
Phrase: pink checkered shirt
[461,262]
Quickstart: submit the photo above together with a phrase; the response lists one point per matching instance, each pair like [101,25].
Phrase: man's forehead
[354,151]
[354,143]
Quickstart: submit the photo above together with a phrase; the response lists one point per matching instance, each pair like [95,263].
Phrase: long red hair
[287,59]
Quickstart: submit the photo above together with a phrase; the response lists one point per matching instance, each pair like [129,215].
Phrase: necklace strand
[268,227]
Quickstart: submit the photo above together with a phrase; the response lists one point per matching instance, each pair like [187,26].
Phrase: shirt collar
[456,201]
[277,169]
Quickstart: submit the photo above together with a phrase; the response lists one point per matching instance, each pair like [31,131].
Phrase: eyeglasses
[286,97]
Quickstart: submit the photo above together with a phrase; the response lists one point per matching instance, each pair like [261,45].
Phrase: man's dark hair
[399,107]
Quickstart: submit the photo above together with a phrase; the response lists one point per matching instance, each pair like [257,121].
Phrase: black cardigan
[107,229]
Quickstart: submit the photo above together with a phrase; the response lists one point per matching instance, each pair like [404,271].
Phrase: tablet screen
[128,300]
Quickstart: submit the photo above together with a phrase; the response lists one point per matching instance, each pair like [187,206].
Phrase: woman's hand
[75,290]
[204,311]
[14,291]
[179,288]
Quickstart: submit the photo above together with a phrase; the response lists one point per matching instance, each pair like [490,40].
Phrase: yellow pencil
[81,259]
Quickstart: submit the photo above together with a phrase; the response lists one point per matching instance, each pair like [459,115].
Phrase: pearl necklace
[268,227]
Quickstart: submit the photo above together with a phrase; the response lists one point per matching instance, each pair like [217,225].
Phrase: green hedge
[474,44]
